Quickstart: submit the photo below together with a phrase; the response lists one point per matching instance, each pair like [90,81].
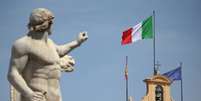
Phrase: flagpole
[126,78]
[126,90]
[181,83]
[154,51]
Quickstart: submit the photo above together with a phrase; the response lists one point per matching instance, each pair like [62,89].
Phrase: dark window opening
[159,93]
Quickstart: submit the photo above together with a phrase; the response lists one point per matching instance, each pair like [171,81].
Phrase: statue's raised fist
[82,37]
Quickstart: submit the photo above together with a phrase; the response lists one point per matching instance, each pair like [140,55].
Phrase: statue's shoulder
[21,45]
[51,41]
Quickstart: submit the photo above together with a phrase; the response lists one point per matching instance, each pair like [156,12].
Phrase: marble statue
[37,62]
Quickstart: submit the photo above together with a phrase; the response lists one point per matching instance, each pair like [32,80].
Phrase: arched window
[159,93]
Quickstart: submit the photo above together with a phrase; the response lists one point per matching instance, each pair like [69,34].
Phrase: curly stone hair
[40,19]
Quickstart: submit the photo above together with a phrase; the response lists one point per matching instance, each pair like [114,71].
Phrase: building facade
[158,89]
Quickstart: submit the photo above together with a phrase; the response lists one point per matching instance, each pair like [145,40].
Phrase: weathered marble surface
[37,62]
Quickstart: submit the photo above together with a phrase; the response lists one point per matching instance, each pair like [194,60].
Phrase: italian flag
[143,30]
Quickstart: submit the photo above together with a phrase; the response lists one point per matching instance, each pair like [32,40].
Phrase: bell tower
[158,88]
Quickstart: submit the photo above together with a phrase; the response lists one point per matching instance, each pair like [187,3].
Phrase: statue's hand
[82,37]
[37,96]
[66,63]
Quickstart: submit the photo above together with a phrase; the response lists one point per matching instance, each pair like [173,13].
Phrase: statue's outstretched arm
[17,62]
[66,48]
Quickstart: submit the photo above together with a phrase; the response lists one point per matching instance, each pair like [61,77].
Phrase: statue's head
[40,20]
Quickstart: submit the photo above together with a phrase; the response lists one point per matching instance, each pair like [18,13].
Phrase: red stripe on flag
[127,36]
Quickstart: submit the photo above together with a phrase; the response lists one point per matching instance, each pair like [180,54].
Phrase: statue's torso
[42,72]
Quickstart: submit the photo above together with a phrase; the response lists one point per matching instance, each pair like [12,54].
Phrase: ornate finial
[157,65]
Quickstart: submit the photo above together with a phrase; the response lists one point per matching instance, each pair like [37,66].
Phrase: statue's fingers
[86,36]
[70,57]
[70,69]
[39,96]
[71,63]
[65,67]
[36,99]
[84,33]
[65,64]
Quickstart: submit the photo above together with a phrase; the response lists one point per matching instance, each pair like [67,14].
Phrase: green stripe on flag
[147,28]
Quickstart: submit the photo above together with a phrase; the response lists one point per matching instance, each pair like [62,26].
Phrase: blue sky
[100,61]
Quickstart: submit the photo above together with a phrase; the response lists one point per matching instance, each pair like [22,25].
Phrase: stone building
[158,88]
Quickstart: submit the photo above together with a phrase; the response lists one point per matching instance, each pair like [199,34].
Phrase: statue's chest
[43,52]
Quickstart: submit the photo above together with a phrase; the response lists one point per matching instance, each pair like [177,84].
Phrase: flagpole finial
[126,61]
[157,67]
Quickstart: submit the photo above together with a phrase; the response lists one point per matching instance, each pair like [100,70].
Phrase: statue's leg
[54,98]
[54,94]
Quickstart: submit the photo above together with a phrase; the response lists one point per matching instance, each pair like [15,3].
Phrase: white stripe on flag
[137,32]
